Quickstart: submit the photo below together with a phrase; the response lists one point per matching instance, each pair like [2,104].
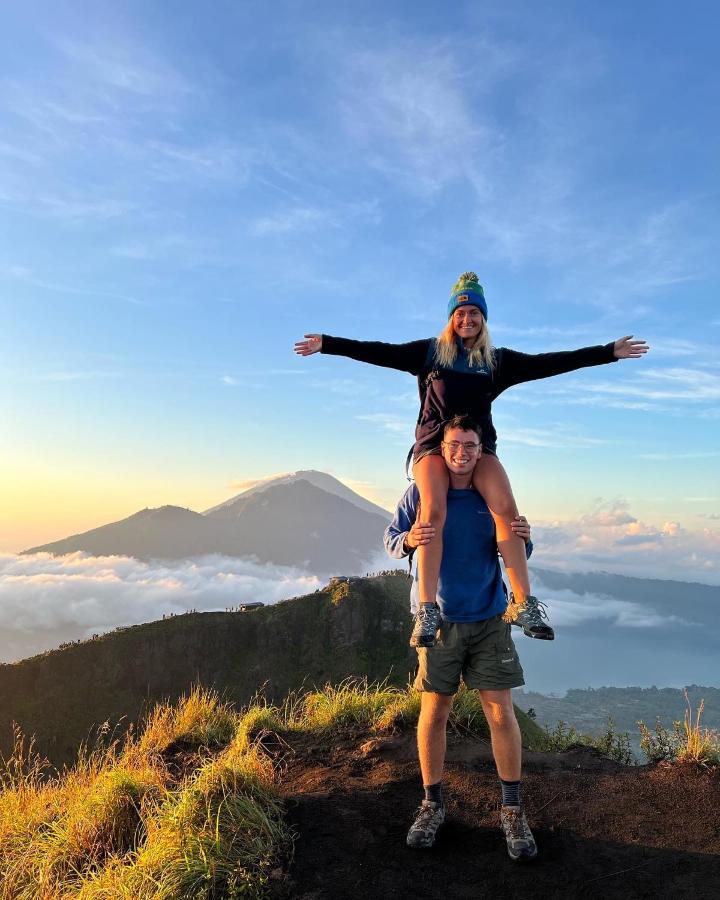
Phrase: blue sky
[185,191]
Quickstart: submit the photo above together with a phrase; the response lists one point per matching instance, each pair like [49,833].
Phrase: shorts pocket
[507,657]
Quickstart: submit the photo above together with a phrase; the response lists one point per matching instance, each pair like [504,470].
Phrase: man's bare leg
[431,734]
[507,750]
[504,733]
[434,712]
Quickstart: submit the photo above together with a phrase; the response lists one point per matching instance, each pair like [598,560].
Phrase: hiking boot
[427,623]
[529,617]
[520,841]
[428,819]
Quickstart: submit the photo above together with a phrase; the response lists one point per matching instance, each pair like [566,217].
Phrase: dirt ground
[603,830]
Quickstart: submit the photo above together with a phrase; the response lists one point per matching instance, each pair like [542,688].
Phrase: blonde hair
[481,353]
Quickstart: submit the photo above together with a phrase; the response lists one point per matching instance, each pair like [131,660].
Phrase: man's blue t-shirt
[470,588]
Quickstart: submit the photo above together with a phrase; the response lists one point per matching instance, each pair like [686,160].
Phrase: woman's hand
[420,533]
[313,344]
[521,527]
[625,348]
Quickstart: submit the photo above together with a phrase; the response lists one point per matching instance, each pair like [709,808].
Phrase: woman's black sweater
[462,389]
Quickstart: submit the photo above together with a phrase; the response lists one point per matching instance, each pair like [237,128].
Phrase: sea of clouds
[45,600]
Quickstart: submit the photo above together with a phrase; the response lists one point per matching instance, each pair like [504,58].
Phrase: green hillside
[357,629]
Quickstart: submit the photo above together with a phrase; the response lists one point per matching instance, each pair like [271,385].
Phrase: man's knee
[435,709]
[503,506]
[500,716]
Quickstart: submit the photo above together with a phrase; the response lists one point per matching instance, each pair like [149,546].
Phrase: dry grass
[687,741]
[122,824]
[701,745]
[184,808]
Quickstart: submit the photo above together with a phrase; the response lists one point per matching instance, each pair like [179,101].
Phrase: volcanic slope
[291,523]
[603,830]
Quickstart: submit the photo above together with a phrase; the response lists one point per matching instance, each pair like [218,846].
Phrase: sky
[185,191]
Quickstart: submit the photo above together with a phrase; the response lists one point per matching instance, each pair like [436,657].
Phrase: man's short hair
[464,423]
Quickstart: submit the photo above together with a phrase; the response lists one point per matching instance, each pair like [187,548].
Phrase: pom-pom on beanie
[467,290]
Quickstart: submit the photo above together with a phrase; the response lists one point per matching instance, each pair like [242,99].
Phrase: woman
[461,372]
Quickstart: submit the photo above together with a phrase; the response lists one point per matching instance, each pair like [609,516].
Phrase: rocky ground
[603,830]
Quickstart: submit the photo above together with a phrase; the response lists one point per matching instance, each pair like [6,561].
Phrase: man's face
[460,450]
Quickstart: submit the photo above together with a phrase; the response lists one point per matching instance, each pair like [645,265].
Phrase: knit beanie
[467,291]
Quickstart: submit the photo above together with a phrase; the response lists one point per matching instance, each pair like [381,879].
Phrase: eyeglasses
[454,446]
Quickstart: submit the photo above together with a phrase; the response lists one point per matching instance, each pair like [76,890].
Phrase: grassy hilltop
[311,800]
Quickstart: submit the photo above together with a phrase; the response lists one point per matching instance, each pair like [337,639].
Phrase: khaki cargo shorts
[482,652]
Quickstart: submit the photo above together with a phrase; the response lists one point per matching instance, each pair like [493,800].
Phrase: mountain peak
[321,480]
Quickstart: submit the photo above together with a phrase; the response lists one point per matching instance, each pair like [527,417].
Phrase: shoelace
[427,615]
[423,816]
[537,612]
[518,828]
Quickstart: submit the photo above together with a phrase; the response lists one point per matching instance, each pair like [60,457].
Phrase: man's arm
[399,528]
[404,534]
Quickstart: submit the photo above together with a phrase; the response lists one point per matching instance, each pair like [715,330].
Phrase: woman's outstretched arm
[409,357]
[514,367]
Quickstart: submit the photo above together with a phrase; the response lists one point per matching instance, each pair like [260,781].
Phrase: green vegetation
[358,704]
[187,807]
[357,628]
[688,741]
[611,743]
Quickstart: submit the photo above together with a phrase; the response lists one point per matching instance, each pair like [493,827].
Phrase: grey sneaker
[520,841]
[530,617]
[427,623]
[428,819]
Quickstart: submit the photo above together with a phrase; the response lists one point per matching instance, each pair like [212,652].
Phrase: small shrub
[562,737]
[660,744]
[700,745]
[615,744]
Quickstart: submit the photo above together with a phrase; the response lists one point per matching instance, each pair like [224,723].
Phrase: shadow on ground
[603,830]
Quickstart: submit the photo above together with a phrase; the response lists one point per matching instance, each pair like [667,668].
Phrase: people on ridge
[473,642]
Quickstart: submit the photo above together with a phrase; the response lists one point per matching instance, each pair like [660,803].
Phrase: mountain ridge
[293,523]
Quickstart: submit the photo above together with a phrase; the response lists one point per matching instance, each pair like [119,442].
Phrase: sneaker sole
[539,637]
[422,643]
[425,846]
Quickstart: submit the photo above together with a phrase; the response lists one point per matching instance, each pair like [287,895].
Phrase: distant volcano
[307,519]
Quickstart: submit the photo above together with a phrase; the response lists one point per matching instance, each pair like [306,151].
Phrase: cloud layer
[45,600]
[611,539]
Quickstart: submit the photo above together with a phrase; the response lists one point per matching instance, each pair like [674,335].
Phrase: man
[473,640]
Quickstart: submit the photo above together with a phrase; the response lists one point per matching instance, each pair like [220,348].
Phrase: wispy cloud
[557,437]
[682,389]
[27,276]
[611,539]
[129,67]
[292,220]
[434,128]
[397,425]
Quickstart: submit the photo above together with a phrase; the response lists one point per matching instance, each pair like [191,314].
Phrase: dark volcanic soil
[603,830]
